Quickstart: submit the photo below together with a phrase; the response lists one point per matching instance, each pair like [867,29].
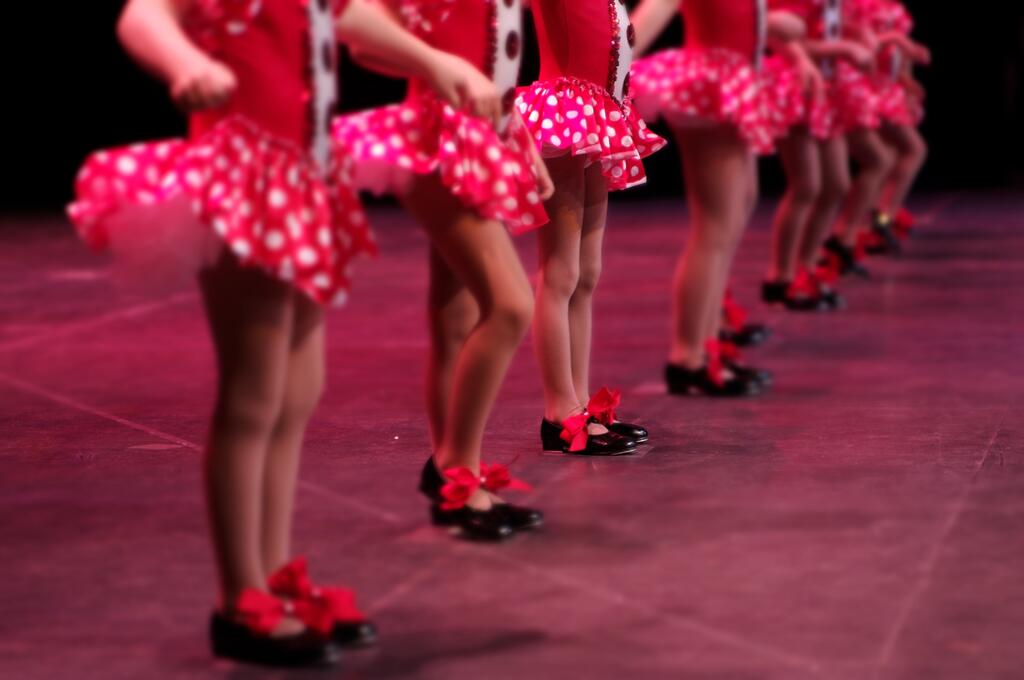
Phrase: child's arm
[785,27]
[864,35]
[649,19]
[851,51]
[913,86]
[376,37]
[151,32]
[808,72]
[915,50]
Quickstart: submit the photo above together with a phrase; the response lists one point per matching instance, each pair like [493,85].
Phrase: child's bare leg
[452,314]
[835,185]
[874,164]
[802,165]
[481,254]
[303,386]
[559,244]
[581,304]
[250,317]
[911,152]
[716,163]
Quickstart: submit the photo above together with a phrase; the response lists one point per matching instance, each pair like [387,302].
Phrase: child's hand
[921,54]
[463,86]
[208,84]
[811,81]
[859,55]
[915,89]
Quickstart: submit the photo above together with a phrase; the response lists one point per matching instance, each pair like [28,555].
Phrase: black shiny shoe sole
[233,641]
[521,518]
[682,382]
[355,635]
[638,434]
[751,335]
[847,261]
[473,525]
[602,445]
[775,293]
[764,378]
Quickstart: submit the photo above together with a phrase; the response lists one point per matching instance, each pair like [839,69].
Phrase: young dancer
[258,178]
[710,93]
[841,122]
[856,109]
[799,107]
[900,108]
[462,176]
[581,118]
[737,329]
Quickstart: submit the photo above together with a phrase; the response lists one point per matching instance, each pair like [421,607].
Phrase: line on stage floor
[722,636]
[64,331]
[932,557]
[77,405]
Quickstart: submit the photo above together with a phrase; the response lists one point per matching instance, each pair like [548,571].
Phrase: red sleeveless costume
[490,172]
[581,104]
[714,78]
[850,101]
[260,175]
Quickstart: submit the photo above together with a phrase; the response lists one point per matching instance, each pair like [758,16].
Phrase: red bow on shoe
[496,477]
[728,351]
[904,222]
[804,285]
[603,404]
[735,315]
[574,431]
[260,612]
[462,484]
[715,369]
[860,250]
[824,274]
[317,607]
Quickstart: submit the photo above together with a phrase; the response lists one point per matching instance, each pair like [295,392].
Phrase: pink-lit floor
[863,520]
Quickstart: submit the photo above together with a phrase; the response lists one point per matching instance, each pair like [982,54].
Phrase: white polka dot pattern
[264,198]
[491,174]
[571,116]
[696,86]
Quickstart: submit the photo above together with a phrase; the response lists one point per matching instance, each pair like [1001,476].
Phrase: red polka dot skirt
[571,116]
[489,172]
[789,106]
[896,105]
[261,197]
[854,100]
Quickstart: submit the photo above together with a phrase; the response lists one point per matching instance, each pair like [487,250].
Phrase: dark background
[70,90]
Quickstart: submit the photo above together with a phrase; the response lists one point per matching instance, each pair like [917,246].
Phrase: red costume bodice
[283,52]
[737,25]
[589,40]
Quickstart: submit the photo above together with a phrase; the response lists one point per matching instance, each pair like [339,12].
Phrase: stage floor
[863,520]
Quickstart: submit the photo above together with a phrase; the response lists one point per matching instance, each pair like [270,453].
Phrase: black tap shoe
[355,634]
[748,335]
[883,239]
[238,642]
[683,381]
[762,377]
[845,257]
[637,433]
[607,444]
[478,525]
[521,518]
[783,293]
